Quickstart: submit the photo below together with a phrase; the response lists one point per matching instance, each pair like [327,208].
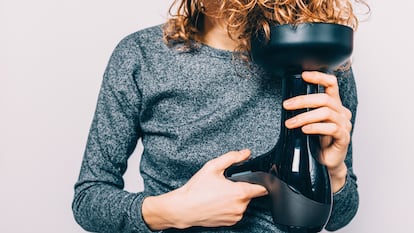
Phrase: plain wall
[52,57]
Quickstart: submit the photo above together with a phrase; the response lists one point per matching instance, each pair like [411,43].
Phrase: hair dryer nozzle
[308,46]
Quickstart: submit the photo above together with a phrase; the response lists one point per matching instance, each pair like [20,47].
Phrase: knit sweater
[187,107]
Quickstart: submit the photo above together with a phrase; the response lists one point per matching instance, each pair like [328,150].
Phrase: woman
[189,91]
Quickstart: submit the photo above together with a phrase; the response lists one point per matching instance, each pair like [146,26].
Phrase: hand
[328,118]
[208,199]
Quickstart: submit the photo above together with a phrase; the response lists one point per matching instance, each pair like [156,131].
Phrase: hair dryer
[298,185]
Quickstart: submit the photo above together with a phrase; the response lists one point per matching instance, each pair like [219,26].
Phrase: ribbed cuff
[345,205]
[136,217]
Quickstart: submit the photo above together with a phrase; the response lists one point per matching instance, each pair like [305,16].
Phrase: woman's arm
[346,200]
[208,199]
[100,204]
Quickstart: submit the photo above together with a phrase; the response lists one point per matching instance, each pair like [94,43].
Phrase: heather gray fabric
[188,108]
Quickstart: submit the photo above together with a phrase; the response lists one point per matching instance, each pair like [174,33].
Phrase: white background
[52,57]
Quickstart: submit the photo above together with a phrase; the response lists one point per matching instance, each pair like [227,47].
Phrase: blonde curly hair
[245,17]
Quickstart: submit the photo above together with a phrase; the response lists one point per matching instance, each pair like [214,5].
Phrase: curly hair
[245,17]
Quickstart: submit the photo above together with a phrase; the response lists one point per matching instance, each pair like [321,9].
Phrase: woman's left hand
[329,118]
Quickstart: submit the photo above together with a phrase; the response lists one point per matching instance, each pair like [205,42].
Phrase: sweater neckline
[213,52]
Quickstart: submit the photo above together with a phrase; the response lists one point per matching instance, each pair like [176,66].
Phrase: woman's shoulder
[141,42]
[147,37]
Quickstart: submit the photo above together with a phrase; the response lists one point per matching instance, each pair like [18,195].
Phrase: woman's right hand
[208,199]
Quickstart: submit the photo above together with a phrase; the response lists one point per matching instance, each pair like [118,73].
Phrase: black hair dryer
[298,185]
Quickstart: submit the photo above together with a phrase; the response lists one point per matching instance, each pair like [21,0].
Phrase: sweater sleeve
[346,200]
[100,204]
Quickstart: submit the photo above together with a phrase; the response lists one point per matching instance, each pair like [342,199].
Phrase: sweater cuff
[345,205]
[345,191]
[136,217]
[343,187]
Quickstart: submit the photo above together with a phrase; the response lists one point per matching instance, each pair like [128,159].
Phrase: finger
[312,101]
[341,135]
[330,82]
[228,159]
[317,101]
[347,113]
[322,114]
[253,190]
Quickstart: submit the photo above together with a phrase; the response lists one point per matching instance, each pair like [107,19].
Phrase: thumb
[254,190]
[230,158]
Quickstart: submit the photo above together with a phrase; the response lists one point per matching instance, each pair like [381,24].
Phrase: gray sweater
[188,107]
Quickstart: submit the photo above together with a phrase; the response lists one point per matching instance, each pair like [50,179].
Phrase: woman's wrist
[338,177]
[152,214]
[158,212]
